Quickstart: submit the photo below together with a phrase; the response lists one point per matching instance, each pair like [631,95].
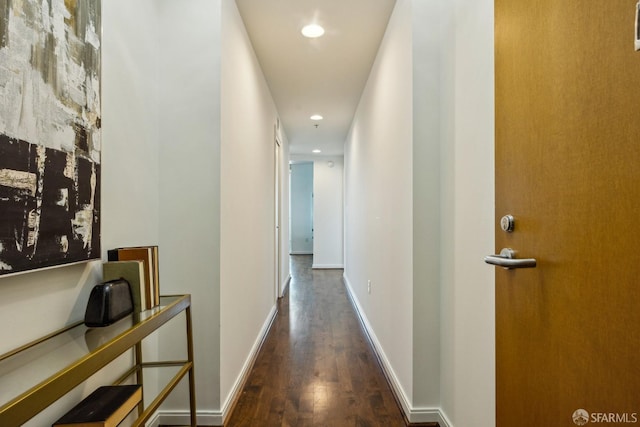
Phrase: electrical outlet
[369,286]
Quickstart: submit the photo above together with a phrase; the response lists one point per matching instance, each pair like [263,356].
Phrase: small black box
[109,302]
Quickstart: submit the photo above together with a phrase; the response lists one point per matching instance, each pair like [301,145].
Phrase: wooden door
[568,170]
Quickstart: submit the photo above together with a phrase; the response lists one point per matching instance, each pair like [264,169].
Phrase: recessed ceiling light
[316,117]
[312,31]
[317,151]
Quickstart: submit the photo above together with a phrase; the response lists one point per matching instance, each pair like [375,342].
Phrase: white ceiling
[323,76]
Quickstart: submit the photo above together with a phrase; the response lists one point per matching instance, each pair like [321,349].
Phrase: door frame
[277,214]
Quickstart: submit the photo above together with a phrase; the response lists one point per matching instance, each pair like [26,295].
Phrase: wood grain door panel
[568,170]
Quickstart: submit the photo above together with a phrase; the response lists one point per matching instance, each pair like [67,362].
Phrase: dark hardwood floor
[316,367]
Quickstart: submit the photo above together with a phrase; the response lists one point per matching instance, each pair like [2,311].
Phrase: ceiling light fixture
[317,151]
[316,117]
[312,31]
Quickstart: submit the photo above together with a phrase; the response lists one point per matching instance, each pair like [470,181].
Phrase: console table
[48,368]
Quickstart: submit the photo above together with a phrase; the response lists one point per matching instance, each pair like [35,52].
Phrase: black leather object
[108,302]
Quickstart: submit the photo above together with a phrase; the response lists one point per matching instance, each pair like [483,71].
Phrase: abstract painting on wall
[49,133]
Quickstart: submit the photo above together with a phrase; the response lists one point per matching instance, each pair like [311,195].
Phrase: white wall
[468,358]
[247,212]
[379,201]
[450,291]
[189,185]
[427,103]
[130,114]
[215,171]
[328,213]
[301,209]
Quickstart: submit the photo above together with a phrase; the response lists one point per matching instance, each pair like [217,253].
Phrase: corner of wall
[190,138]
[426,113]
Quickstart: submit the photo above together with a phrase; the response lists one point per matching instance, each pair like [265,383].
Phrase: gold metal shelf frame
[105,345]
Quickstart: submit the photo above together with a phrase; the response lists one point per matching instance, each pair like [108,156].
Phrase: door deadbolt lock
[507,223]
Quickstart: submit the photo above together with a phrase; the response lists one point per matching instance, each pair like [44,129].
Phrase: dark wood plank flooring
[316,367]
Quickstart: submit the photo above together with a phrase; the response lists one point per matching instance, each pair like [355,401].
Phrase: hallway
[316,367]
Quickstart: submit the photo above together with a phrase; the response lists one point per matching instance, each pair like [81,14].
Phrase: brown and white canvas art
[49,133]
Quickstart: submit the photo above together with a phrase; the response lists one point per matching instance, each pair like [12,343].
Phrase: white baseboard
[428,415]
[182,418]
[217,418]
[414,415]
[154,421]
[327,266]
[248,364]
[445,420]
[285,286]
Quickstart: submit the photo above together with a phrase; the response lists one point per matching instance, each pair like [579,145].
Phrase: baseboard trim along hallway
[219,418]
[327,266]
[233,397]
[417,416]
